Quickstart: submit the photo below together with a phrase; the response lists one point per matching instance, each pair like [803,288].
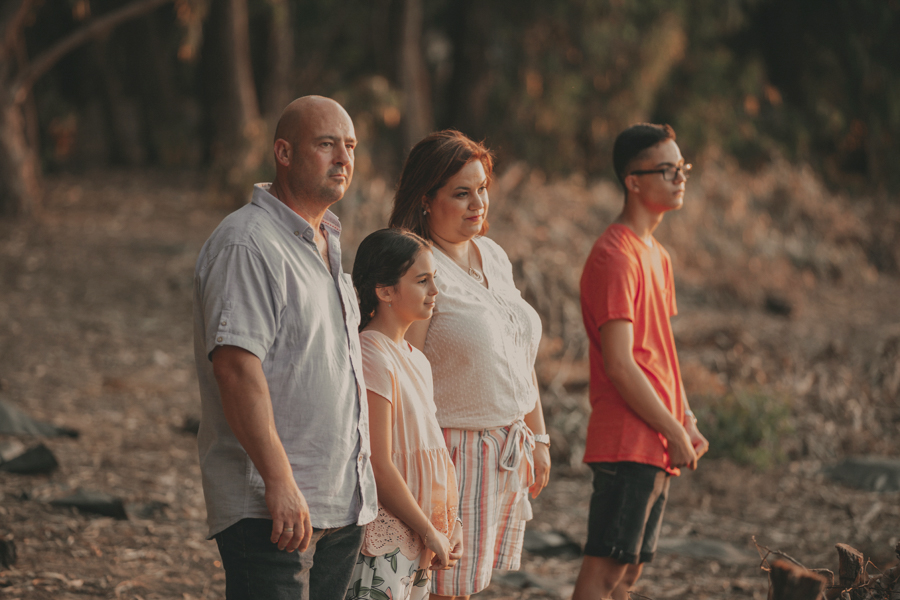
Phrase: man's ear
[283,152]
[384,293]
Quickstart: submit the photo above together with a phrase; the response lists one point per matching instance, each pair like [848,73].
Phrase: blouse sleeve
[377,368]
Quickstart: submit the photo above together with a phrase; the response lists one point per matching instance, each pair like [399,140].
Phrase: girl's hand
[438,543]
[456,543]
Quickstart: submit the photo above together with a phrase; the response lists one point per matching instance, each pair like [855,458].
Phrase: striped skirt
[494,469]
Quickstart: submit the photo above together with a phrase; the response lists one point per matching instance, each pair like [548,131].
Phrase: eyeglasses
[669,173]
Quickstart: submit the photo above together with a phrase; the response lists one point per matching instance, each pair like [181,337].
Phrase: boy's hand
[700,443]
[681,449]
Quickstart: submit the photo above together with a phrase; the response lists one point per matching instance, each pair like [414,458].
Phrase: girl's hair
[381,260]
[431,162]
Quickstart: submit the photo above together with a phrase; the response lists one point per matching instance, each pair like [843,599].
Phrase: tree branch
[11,19]
[44,61]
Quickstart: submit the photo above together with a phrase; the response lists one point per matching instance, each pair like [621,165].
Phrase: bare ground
[95,335]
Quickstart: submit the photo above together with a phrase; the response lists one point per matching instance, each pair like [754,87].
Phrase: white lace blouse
[481,344]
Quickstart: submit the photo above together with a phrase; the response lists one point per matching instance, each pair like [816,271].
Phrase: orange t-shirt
[624,278]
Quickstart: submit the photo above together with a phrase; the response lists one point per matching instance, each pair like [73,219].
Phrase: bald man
[283,441]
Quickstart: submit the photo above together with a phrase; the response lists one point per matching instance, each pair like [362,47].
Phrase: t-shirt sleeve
[377,369]
[240,306]
[611,287]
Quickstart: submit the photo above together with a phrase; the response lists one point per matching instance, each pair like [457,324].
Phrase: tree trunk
[19,187]
[19,190]
[418,120]
[19,167]
[469,87]
[29,107]
[170,126]
[384,28]
[121,112]
[278,89]
[238,133]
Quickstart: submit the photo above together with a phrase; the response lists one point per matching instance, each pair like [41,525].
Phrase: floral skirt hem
[390,576]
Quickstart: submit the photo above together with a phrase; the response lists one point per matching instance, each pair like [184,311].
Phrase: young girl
[417,526]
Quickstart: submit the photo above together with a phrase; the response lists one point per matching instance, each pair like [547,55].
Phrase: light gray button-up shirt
[261,284]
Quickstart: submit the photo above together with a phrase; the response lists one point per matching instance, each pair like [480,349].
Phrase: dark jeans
[626,511]
[256,568]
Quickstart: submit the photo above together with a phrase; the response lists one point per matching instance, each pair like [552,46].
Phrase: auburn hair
[430,164]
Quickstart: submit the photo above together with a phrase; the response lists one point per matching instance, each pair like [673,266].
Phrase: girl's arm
[392,491]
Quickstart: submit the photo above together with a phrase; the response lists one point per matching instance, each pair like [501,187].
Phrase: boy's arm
[617,340]
[700,443]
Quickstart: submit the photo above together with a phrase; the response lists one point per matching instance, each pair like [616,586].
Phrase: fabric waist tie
[519,444]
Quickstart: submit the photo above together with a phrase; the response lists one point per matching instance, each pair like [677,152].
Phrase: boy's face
[651,189]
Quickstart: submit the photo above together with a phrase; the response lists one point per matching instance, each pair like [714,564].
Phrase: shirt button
[296,233]
[224,322]
[219,339]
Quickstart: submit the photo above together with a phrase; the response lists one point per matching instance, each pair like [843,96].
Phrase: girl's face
[412,299]
[458,210]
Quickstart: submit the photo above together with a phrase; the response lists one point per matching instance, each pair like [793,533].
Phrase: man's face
[322,159]
[654,191]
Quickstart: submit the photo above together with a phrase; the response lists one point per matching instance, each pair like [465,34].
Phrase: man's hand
[700,443]
[541,455]
[291,527]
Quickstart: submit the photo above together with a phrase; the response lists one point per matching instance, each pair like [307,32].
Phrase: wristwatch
[542,438]
[690,415]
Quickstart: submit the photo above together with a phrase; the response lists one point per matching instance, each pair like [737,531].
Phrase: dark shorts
[626,511]
[256,569]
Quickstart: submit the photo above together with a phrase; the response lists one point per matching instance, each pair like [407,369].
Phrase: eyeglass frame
[685,170]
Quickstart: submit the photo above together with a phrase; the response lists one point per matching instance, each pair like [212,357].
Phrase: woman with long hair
[481,340]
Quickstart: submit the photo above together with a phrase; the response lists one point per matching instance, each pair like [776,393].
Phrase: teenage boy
[641,428]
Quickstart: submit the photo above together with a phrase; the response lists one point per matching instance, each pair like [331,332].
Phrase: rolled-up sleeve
[240,307]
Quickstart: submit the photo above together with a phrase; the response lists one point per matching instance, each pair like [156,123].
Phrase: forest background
[128,128]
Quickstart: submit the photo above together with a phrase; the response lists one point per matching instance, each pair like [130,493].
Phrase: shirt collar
[280,211]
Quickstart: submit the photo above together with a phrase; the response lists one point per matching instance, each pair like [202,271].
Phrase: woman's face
[412,299]
[458,210]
